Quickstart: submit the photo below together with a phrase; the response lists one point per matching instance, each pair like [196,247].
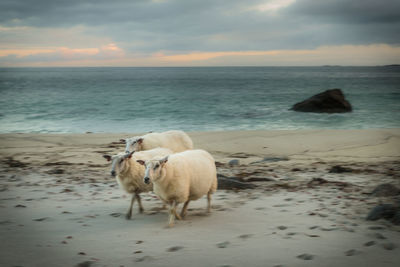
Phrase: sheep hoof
[128,216]
[141,210]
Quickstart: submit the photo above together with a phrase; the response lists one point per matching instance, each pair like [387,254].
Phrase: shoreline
[60,206]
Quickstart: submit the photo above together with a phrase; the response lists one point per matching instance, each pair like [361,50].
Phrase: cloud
[143,28]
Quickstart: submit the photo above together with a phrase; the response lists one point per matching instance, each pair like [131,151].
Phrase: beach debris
[14,163]
[55,171]
[223,244]
[260,179]
[330,101]
[339,169]
[234,162]
[174,248]
[305,256]
[385,190]
[232,183]
[271,159]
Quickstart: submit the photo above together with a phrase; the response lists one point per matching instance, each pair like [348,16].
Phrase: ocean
[79,100]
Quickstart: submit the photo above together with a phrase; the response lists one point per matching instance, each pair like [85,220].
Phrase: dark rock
[306,256]
[232,183]
[281,227]
[330,101]
[175,248]
[369,243]
[85,263]
[339,169]
[389,246]
[223,244]
[385,190]
[233,162]
[385,211]
[352,252]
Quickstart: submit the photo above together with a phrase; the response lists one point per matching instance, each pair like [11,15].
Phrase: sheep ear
[164,160]
[140,140]
[107,157]
[122,141]
[129,155]
[141,162]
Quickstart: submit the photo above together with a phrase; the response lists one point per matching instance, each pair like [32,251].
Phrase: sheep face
[154,169]
[119,162]
[133,144]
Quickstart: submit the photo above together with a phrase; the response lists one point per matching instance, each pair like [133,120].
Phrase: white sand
[245,224]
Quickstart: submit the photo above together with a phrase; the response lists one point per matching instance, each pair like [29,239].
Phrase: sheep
[177,141]
[129,173]
[180,178]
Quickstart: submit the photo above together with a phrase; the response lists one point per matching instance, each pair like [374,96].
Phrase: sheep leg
[184,209]
[173,214]
[129,214]
[139,202]
[209,202]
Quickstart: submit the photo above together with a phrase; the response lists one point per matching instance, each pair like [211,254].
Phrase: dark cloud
[209,25]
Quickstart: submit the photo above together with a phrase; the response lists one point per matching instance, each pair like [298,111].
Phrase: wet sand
[60,207]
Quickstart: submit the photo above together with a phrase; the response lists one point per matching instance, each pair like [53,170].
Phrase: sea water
[78,100]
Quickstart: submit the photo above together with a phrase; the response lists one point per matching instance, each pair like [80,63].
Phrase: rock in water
[330,101]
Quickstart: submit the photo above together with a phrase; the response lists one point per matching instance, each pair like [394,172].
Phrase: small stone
[379,236]
[306,256]
[389,246]
[84,264]
[328,229]
[234,162]
[139,242]
[175,248]
[369,243]
[223,244]
[282,227]
[245,236]
[81,253]
[116,214]
[137,252]
[20,206]
[313,227]
[351,252]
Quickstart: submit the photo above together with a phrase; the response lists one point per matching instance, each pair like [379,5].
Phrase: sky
[199,33]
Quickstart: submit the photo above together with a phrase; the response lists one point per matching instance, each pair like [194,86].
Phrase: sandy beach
[61,207]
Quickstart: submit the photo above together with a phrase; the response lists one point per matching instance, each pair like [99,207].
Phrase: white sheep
[177,141]
[129,173]
[182,177]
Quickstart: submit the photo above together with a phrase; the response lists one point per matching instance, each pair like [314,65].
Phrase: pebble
[389,246]
[233,162]
[313,227]
[351,252]
[282,227]
[175,248]
[369,243]
[84,264]
[20,206]
[306,256]
[245,236]
[379,236]
[328,229]
[223,244]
